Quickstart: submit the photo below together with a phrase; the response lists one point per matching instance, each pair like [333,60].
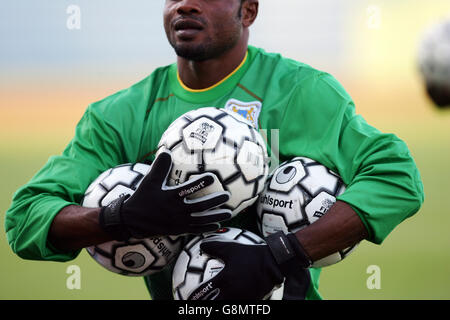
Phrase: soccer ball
[193,267]
[434,54]
[226,144]
[134,257]
[298,193]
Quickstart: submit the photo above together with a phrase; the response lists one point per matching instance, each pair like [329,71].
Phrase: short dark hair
[240,8]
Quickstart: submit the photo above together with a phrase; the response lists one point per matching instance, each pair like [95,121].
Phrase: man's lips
[183,24]
[186,28]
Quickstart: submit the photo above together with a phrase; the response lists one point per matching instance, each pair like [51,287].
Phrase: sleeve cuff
[363,216]
[30,240]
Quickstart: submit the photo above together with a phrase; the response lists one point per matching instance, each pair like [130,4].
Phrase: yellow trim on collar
[214,85]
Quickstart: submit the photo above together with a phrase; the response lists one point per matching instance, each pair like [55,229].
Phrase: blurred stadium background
[49,74]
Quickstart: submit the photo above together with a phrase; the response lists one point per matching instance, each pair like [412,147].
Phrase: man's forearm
[340,228]
[76,227]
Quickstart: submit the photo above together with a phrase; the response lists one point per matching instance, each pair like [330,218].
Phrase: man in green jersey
[216,67]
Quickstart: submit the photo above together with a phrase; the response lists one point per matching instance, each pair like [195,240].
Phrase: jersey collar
[215,91]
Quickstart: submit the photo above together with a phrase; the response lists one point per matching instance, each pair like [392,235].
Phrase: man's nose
[189,7]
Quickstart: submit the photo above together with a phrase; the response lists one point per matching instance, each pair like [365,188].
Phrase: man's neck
[204,74]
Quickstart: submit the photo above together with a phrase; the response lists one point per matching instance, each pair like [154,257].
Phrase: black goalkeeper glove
[251,272]
[156,209]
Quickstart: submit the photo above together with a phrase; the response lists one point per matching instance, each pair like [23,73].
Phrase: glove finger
[202,228]
[208,202]
[193,185]
[160,169]
[221,249]
[210,216]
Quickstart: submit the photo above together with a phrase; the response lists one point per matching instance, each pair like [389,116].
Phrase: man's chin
[202,50]
[192,52]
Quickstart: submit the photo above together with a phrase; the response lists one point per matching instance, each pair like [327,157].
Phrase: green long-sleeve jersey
[314,116]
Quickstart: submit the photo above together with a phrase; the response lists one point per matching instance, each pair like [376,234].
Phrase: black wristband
[111,222]
[300,252]
[288,252]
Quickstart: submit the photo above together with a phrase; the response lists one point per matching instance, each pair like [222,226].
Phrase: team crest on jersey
[248,110]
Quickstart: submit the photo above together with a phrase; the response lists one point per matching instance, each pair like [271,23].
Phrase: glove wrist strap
[111,222]
[288,252]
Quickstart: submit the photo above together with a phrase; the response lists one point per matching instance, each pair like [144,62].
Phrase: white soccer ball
[224,143]
[193,267]
[434,54]
[134,257]
[298,193]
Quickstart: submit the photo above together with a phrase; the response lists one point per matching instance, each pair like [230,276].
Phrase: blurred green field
[21,279]
[414,260]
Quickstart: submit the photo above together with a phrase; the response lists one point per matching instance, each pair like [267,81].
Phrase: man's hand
[251,272]
[156,209]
